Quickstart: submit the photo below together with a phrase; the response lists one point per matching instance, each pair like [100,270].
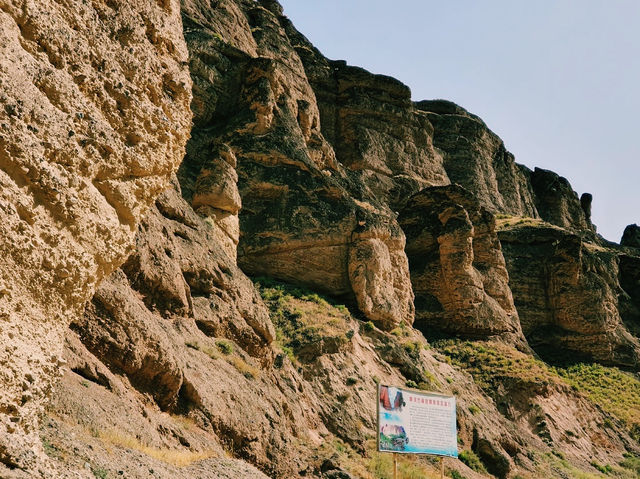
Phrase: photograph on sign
[415,422]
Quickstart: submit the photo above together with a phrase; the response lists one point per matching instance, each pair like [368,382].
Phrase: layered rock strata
[569,295]
[257,122]
[558,204]
[297,167]
[94,116]
[476,158]
[458,272]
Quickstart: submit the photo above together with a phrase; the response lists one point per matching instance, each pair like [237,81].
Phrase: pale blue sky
[558,81]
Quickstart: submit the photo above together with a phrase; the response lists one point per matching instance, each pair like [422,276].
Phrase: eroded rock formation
[631,236]
[457,268]
[302,169]
[94,116]
[475,158]
[558,204]
[568,292]
[300,219]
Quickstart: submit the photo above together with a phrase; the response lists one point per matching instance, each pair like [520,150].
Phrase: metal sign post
[441,467]
[395,466]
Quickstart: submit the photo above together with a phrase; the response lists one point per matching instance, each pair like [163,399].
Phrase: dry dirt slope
[336,193]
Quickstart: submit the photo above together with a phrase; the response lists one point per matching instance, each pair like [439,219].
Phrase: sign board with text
[416,422]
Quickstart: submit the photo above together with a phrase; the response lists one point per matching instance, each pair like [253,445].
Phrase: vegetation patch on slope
[491,363]
[615,391]
[176,457]
[377,465]
[307,324]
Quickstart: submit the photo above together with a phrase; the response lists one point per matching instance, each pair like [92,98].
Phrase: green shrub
[473,409]
[412,348]
[631,462]
[368,326]
[100,473]
[472,461]
[351,381]
[224,346]
[604,469]
[49,449]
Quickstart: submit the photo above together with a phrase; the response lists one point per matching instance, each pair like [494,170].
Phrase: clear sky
[557,80]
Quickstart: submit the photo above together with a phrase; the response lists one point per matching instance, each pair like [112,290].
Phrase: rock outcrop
[94,116]
[475,158]
[299,170]
[457,269]
[566,291]
[631,236]
[558,204]
[385,144]
[259,123]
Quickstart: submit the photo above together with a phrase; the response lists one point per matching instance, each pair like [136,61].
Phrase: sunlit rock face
[281,196]
[94,117]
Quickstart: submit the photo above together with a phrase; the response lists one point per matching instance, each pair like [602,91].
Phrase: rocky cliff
[94,117]
[385,240]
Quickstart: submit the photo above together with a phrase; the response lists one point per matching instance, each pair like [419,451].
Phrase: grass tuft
[176,457]
[224,346]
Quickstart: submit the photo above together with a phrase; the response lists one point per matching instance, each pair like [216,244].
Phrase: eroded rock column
[458,271]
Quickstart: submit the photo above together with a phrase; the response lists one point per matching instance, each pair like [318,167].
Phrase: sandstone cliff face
[180,329]
[94,116]
[257,122]
[558,204]
[568,294]
[384,143]
[457,268]
[475,158]
[301,169]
